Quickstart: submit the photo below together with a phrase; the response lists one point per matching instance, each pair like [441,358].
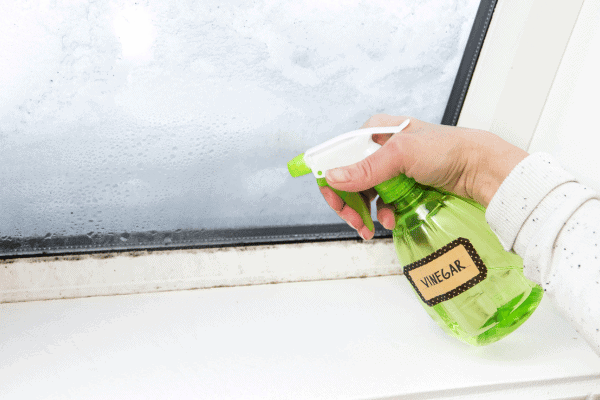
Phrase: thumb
[380,166]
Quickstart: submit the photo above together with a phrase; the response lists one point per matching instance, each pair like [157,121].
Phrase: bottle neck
[402,192]
[396,188]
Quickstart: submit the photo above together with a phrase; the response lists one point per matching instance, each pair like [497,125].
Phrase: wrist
[495,159]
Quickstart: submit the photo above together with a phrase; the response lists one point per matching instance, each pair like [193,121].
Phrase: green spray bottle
[467,282]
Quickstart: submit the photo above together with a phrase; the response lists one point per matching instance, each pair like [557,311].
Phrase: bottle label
[446,273]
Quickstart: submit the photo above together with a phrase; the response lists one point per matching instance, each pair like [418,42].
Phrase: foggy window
[153,124]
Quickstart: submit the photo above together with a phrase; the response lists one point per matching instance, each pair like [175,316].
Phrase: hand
[469,162]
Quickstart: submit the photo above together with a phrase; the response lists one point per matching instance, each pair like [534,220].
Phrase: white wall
[568,127]
[536,83]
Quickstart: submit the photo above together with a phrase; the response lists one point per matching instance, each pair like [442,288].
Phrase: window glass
[123,119]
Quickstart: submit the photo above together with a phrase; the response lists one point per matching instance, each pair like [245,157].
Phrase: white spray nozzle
[346,149]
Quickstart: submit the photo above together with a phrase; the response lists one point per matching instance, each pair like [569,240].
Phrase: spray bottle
[465,280]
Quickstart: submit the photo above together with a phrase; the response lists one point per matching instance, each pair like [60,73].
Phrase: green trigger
[355,201]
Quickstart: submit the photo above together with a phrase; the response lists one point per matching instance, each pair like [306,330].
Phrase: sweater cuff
[520,193]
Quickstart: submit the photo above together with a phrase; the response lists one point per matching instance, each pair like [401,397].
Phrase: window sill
[349,338]
[106,274]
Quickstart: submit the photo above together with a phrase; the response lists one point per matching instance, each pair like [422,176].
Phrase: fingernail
[337,175]
[363,231]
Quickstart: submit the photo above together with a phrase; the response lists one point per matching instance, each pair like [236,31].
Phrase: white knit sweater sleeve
[553,222]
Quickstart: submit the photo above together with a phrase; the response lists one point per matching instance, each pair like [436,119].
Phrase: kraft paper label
[447,272]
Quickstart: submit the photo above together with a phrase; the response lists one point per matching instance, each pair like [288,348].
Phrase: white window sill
[327,338]
[349,338]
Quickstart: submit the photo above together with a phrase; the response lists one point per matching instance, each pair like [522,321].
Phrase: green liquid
[426,220]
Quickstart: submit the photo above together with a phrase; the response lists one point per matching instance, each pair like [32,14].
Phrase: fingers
[385,215]
[334,201]
[384,164]
[350,216]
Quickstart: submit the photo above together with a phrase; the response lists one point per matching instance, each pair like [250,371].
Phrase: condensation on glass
[119,117]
